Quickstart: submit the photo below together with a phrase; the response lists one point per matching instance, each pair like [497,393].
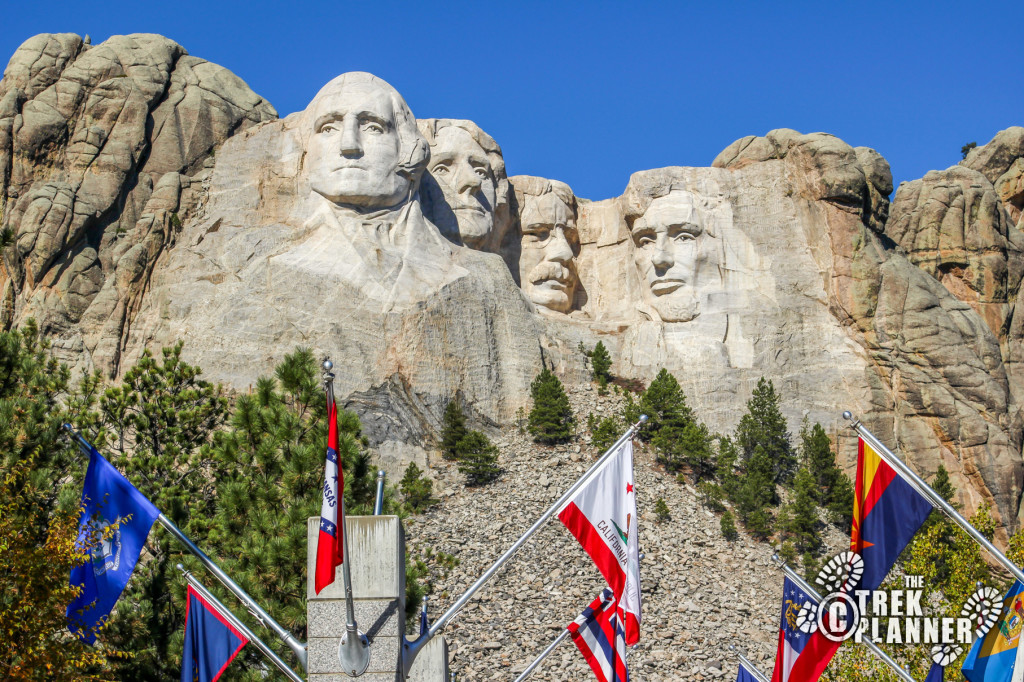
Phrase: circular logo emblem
[838,616]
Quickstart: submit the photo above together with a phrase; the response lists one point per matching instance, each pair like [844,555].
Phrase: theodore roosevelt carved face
[667,255]
[363,150]
[550,243]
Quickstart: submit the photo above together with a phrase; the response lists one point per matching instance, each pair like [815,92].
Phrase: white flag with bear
[602,516]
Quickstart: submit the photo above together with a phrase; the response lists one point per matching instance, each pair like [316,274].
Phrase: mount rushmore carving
[157,198]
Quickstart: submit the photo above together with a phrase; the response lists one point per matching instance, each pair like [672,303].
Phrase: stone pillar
[377,548]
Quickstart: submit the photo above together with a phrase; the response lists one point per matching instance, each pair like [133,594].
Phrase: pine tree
[804,524]
[453,429]
[605,433]
[417,489]
[728,526]
[550,419]
[763,425]
[840,503]
[478,459]
[601,363]
[665,406]
[757,492]
[725,469]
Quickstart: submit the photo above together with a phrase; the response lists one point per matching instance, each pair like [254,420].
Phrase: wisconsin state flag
[887,512]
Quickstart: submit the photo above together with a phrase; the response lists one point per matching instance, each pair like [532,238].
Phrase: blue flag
[211,642]
[745,675]
[992,657]
[935,674]
[120,517]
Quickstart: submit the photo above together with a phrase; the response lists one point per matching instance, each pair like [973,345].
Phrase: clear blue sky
[589,93]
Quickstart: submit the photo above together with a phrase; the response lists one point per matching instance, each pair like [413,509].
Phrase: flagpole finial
[327,365]
[732,647]
[777,559]
[643,418]
[847,415]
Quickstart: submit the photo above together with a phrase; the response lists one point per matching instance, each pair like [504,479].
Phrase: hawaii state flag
[887,512]
[599,635]
[602,516]
[993,657]
[801,656]
[211,641]
[329,545]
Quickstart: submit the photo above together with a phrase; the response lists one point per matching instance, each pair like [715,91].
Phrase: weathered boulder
[1002,162]
[101,150]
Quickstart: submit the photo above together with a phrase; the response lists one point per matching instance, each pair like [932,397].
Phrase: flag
[211,641]
[600,636]
[992,657]
[801,657]
[602,516]
[887,512]
[745,675]
[120,518]
[329,545]
[935,674]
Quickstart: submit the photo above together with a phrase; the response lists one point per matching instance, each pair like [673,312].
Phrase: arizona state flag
[887,512]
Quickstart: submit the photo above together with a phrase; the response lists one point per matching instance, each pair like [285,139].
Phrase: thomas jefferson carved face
[547,263]
[667,238]
[359,144]
[464,175]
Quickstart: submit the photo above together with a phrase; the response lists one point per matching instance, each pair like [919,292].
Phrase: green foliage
[34,589]
[804,522]
[6,236]
[756,490]
[788,553]
[453,429]
[763,425]
[661,510]
[417,490]
[710,495]
[550,419]
[605,432]
[478,459]
[728,526]
[725,468]
[966,149]
[833,490]
[664,404]
[601,363]
[759,524]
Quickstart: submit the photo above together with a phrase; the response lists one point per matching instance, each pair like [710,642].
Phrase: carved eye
[440,169]
[482,172]
[684,237]
[536,235]
[372,127]
[645,240]
[329,128]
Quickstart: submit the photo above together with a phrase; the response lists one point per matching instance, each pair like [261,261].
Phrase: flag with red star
[887,512]
[602,516]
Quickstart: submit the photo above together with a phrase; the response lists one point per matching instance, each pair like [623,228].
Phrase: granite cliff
[154,197]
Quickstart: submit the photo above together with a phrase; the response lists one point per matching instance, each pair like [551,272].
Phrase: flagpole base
[354,653]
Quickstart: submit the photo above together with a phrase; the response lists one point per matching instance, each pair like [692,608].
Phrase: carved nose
[663,258]
[558,249]
[350,143]
[466,179]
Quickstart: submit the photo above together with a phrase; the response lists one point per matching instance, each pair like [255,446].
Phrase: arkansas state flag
[600,637]
[887,512]
[211,642]
[329,545]
[801,657]
[602,516]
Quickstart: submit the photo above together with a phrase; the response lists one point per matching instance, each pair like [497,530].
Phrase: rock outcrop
[102,156]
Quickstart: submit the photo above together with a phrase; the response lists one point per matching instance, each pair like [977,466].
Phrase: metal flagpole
[354,648]
[748,665]
[813,594]
[918,484]
[297,647]
[544,654]
[226,613]
[410,649]
[378,503]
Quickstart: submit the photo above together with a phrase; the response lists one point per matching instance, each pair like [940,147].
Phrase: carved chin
[676,307]
[474,226]
[555,300]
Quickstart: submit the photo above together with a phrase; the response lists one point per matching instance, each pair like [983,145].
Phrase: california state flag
[602,516]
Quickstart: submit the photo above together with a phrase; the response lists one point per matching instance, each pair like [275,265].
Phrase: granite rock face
[403,250]
[102,155]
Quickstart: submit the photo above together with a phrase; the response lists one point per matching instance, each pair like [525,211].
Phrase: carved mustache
[547,271]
